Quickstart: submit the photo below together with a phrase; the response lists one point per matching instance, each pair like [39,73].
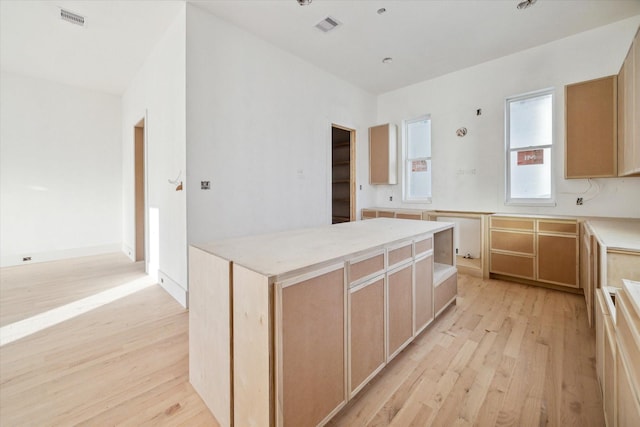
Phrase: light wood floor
[506,354]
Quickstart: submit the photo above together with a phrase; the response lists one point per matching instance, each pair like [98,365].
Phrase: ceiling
[425,38]
[103,55]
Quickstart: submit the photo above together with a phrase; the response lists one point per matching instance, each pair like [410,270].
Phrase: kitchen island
[285,328]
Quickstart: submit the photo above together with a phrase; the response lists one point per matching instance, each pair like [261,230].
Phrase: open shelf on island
[442,272]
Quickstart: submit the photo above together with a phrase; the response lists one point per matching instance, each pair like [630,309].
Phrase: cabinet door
[312,363]
[383,155]
[601,313]
[585,270]
[423,270]
[628,408]
[609,373]
[366,332]
[557,260]
[591,129]
[400,309]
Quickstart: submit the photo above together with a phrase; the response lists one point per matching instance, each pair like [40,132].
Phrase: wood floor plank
[505,354]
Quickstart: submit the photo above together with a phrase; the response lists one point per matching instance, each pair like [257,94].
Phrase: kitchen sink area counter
[285,328]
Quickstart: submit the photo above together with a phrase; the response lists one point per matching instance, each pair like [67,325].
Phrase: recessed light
[381,10]
[387,60]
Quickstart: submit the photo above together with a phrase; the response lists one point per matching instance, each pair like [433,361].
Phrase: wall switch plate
[205,185]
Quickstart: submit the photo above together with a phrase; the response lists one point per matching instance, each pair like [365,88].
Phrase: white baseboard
[173,288]
[18,259]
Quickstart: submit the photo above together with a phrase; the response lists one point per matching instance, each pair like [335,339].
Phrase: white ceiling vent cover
[74,18]
[327,24]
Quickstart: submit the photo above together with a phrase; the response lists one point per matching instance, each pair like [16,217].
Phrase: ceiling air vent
[74,18]
[327,24]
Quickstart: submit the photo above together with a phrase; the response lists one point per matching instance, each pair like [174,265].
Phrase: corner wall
[259,130]
[158,93]
[60,171]
[468,173]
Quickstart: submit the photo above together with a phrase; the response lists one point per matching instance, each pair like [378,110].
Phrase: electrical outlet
[391,198]
[26,258]
[579,201]
[205,185]
[361,186]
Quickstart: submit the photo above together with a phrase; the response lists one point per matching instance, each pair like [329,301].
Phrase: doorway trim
[142,123]
[352,168]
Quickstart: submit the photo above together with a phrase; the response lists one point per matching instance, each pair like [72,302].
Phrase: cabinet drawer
[406,215]
[444,293]
[423,246]
[386,214]
[399,254]
[557,227]
[512,265]
[627,325]
[369,213]
[523,224]
[368,266]
[512,241]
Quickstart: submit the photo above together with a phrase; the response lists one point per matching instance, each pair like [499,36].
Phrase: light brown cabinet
[591,129]
[544,250]
[383,154]
[512,246]
[629,111]
[400,309]
[312,331]
[627,359]
[367,332]
[558,255]
[300,321]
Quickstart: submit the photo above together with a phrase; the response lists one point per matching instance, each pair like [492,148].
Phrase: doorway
[139,187]
[343,174]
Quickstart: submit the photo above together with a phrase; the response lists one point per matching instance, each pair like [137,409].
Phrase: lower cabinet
[312,330]
[400,309]
[627,361]
[609,373]
[366,332]
[543,250]
[557,259]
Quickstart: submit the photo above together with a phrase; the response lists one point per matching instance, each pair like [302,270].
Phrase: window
[529,142]
[417,160]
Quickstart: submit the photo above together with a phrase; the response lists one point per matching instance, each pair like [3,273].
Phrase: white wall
[452,101]
[259,129]
[158,92]
[60,171]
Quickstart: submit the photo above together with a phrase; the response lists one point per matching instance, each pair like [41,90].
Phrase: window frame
[519,201]
[405,161]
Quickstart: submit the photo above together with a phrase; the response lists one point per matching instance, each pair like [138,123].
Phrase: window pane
[530,175]
[530,121]
[419,139]
[418,180]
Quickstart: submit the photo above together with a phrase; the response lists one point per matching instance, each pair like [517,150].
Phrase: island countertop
[275,254]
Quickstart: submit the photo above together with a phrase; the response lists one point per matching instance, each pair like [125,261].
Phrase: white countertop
[633,289]
[284,252]
[617,234]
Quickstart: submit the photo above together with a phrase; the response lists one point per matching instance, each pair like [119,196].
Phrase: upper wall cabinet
[383,154]
[602,120]
[629,112]
[591,129]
